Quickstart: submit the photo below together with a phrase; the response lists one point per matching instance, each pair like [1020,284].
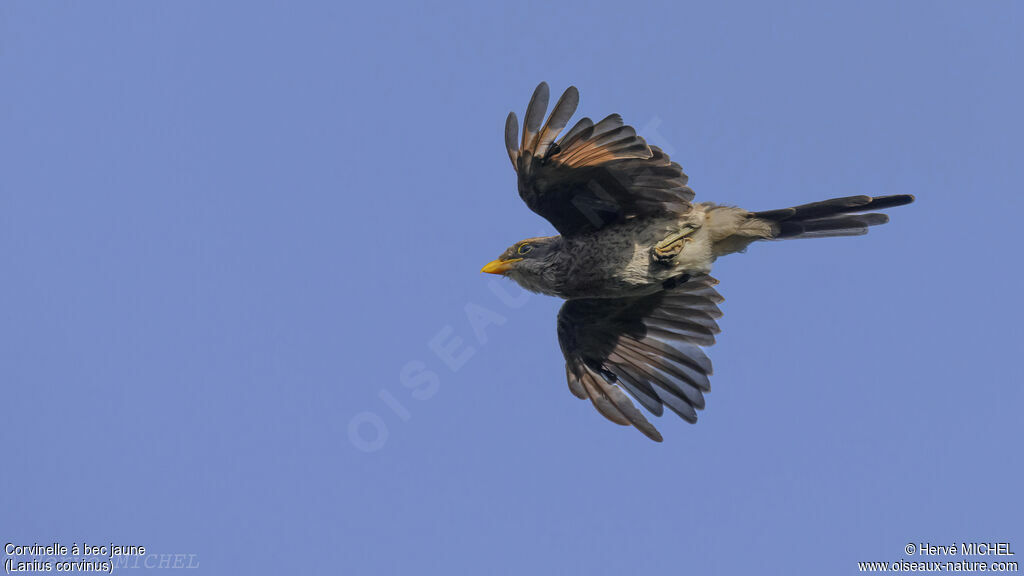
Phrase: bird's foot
[672,245]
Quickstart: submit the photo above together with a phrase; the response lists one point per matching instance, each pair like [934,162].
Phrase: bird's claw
[672,245]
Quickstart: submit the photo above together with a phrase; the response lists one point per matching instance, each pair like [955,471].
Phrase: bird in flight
[634,254]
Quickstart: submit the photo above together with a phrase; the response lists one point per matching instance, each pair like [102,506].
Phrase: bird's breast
[616,261]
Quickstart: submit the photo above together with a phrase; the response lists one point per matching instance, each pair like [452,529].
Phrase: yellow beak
[499,266]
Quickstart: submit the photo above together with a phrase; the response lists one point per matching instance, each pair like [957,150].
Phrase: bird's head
[532,263]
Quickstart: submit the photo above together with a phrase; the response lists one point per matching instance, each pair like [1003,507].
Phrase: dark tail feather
[835,217]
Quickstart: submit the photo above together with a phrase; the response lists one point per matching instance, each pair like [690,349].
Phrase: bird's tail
[849,216]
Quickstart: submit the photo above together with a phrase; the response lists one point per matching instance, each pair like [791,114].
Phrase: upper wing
[648,345]
[597,174]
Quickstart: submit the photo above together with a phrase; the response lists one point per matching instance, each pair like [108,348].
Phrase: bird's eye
[525,248]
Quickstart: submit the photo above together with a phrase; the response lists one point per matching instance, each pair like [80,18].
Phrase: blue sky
[230,232]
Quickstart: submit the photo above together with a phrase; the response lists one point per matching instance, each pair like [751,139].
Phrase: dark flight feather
[597,175]
[576,132]
[534,116]
[564,109]
[648,346]
[512,137]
